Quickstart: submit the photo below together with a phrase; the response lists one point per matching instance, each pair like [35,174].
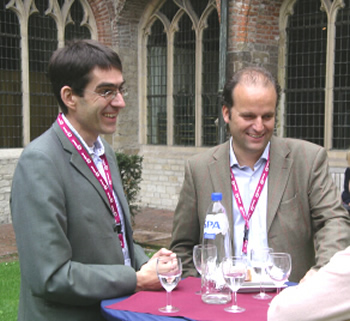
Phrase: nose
[118,101]
[258,124]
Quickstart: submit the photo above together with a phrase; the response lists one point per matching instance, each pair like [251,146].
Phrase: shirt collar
[98,147]
[233,158]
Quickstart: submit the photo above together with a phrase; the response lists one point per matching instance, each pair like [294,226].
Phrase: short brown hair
[248,75]
[71,66]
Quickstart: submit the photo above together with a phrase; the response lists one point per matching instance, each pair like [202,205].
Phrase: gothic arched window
[317,72]
[30,30]
[182,68]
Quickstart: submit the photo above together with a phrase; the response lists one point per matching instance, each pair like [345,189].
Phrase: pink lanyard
[108,188]
[253,203]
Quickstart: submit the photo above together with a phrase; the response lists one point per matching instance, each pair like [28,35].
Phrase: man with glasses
[69,212]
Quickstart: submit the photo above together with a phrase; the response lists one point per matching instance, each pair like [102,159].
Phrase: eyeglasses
[109,94]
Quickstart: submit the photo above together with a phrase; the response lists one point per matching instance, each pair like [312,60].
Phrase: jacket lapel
[79,164]
[280,168]
[219,170]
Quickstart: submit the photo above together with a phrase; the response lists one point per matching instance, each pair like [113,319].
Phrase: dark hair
[71,66]
[250,76]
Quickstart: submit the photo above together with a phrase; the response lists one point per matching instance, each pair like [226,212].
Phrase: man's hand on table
[147,278]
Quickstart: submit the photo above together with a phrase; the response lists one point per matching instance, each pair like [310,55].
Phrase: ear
[68,97]
[226,113]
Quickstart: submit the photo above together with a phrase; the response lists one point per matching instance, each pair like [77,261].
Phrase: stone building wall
[253,38]
[8,161]
[163,174]
[126,138]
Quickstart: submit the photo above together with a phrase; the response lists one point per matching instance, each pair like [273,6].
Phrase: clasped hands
[147,278]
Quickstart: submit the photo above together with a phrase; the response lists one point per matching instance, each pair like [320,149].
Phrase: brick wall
[253,34]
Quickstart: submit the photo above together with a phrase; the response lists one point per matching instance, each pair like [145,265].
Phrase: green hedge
[130,167]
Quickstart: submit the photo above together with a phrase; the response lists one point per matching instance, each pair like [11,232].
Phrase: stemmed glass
[169,270]
[279,268]
[201,253]
[234,270]
[259,260]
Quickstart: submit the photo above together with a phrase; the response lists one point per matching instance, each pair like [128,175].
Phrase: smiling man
[294,208]
[69,212]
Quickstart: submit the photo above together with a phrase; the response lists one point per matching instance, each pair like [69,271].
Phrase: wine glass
[169,270]
[259,260]
[234,270]
[279,268]
[201,253]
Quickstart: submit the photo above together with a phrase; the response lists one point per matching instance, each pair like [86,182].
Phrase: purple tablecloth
[144,306]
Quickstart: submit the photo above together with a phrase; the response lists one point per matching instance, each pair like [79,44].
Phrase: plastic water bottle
[216,232]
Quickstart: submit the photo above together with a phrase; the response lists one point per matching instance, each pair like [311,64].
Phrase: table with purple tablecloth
[144,306]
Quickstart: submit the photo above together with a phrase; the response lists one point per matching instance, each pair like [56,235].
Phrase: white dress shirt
[247,181]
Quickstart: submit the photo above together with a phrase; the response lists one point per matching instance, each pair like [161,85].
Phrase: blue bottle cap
[216,197]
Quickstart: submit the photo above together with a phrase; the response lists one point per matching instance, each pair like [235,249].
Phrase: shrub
[130,167]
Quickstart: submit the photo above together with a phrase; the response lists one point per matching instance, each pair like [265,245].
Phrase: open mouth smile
[110,115]
[256,136]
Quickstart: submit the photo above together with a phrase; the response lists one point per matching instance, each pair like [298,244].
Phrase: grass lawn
[9,290]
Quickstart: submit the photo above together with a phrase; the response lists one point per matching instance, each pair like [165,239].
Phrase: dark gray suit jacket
[304,211]
[70,257]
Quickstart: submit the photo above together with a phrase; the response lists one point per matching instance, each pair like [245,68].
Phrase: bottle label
[215,224]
